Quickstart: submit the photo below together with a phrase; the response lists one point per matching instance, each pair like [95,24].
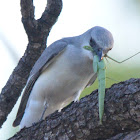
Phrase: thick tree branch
[79,121]
[135,135]
[27,9]
[37,31]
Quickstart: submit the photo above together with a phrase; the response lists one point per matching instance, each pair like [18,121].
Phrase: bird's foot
[60,110]
[77,100]
[37,123]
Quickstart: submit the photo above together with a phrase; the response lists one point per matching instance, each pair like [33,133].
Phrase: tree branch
[79,121]
[135,135]
[37,31]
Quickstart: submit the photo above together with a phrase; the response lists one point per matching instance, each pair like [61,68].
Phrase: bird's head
[101,41]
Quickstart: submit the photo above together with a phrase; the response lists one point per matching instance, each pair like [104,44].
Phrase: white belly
[58,85]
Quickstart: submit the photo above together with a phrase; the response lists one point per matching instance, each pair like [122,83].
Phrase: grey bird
[60,74]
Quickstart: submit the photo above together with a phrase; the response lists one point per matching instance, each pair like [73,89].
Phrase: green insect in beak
[99,68]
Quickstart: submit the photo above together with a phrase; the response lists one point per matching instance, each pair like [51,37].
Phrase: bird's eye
[99,49]
[110,49]
[92,42]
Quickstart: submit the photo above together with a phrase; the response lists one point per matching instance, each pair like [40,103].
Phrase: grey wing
[43,62]
[92,80]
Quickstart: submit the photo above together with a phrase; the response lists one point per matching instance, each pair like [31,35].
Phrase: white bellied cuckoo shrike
[60,74]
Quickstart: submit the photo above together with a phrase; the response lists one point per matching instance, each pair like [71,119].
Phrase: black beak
[99,52]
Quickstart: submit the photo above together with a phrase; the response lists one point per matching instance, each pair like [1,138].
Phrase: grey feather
[92,80]
[49,53]
[45,59]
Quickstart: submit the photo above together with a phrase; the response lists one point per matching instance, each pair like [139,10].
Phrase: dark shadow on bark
[80,121]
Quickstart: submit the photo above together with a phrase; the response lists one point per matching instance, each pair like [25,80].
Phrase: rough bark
[37,32]
[135,135]
[80,121]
